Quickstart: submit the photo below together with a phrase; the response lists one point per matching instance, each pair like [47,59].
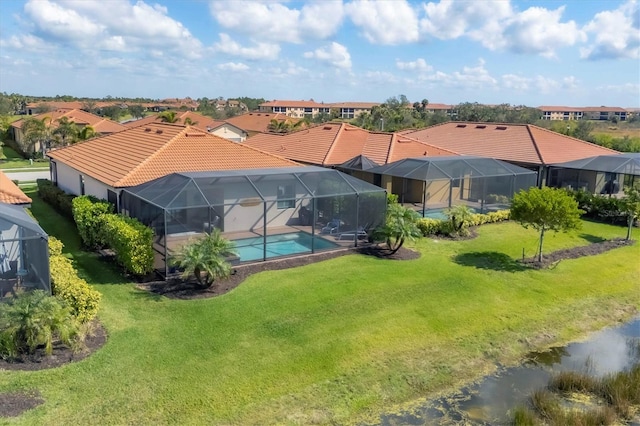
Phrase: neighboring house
[580,113]
[24,253]
[524,145]
[604,113]
[145,153]
[253,123]
[332,144]
[81,118]
[448,110]
[10,193]
[33,107]
[311,108]
[199,121]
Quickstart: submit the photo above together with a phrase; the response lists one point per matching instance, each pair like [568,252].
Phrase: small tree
[546,209]
[460,218]
[205,258]
[401,225]
[631,206]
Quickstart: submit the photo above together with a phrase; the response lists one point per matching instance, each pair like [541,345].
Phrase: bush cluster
[601,207]
[71,289]
[131,240]
[56,197]
[98,227]
[87,213]
[430,226]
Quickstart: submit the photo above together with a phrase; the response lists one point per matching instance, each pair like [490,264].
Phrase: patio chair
[333,227]
[360,233]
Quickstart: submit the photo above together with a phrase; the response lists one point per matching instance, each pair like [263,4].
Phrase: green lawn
[13,160]
[334,342]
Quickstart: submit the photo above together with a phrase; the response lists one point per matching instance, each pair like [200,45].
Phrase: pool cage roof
[15,214]
[167,192]
[628,164]
[449,167]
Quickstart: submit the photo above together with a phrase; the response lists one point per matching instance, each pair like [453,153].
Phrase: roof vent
[159,131]
[501,127]
[327,128]
[461,125]
[481,126]
[147,129]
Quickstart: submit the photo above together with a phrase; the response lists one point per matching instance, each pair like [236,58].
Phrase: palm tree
[36,131]
[189,122]
[460,218]
[168,117]
[401,225]
[87,132]
[67,130]
[205,258]
[284,126]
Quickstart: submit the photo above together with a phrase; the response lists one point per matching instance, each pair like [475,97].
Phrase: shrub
[430,226]
[497,199]
[34,319]
[71,289]
[132,242]
[87,213]
[600,207]
[55,197]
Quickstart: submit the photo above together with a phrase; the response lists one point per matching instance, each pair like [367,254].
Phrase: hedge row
[430,226]
[67,286]
[56,197]
[87,212]
[601,207]
[98,227]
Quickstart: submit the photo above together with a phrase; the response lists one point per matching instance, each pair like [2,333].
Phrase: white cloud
[385,22]
[469,78]
[495,25]
[616,33]
[417,65]
[26,42]
[259,51]
[126,27]
[545,85]
[515,82]
[570,82]
[334,54]
[233,66]
[271,20]
[539,31]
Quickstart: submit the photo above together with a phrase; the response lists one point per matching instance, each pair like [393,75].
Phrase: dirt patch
[12,404]
[177,288]
[552,259]
[61,354]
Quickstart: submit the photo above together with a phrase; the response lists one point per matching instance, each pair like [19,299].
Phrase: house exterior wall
[68,179]
[230,133]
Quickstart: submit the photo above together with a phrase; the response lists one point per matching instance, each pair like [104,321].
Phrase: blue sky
[531,52]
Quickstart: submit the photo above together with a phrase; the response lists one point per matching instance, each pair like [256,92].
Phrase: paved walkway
[27,175]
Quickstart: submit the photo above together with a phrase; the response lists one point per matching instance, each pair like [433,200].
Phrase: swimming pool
[440,214]
[280,245]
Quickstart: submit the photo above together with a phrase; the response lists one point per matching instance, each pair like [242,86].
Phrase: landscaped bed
[336,341]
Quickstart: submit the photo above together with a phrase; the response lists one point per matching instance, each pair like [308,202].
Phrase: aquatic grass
[334,342]
[524,416]
[572,381]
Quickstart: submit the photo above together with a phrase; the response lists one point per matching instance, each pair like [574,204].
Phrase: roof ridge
[386,159]
[149,158]
[535,145]
[333,143]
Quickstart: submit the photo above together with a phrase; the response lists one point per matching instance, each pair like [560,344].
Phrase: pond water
[489,401]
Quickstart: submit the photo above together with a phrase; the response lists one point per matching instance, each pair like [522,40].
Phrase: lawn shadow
[592,238]
[489,260]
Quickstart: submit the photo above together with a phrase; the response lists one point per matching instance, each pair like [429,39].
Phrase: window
[53,170]
[348,112]
[308,111]
[81,184]
[323,110]
[286,196]
[279,109]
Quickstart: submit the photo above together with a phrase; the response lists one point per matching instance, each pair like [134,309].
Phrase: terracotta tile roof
[358,105]
[10,193]
[334,143]
[199,121]
[81,118]
[257,121]
[294,104]
[519,143]
[435,107]
[546,108]
[603,109]
[148,152]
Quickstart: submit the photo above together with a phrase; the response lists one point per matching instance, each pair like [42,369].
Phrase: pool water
[280,245]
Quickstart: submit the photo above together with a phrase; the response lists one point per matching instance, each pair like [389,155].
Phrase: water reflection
[489,402]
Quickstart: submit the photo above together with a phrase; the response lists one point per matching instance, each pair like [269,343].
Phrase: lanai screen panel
[257,207]
[24,253]
[440,182]
[604,174]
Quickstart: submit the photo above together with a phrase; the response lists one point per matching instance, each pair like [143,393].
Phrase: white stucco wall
[68,180]
[231,133]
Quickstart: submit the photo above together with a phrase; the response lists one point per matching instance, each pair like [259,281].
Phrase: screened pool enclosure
[24,253]
[435,183]
[268,213]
